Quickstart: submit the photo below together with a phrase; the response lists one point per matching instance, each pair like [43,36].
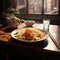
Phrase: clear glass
[51,6]
[46,24]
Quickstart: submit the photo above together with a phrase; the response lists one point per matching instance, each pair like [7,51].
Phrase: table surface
[55,31]
[5,36]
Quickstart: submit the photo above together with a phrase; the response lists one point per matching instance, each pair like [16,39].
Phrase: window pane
[21,6]
[35,6]
[51,6]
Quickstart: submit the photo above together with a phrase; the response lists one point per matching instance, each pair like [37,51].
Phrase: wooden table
[8,44]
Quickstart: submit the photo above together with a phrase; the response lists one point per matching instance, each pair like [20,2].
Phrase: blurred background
[34,9]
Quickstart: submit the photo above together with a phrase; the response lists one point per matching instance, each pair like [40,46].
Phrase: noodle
[30,34]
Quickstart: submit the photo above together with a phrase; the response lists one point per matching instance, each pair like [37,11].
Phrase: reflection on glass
[51,6]
[34,6]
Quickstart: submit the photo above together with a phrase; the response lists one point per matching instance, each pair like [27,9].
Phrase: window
[45,6]
[50,6]
[38,6]
[20,4]
[35,6]
[38,9]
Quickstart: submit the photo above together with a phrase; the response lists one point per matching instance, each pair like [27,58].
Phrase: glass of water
[46,23]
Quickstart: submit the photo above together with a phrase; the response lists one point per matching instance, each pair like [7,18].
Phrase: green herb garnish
[16,33]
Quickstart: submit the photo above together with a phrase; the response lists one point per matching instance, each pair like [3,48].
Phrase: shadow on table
[40,44]
[8,29]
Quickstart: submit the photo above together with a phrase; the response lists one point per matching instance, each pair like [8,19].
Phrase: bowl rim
[14,31]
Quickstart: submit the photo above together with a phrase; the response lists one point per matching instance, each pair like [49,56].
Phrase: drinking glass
[46,24]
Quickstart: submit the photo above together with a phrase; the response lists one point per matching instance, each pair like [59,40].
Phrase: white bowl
[30,41]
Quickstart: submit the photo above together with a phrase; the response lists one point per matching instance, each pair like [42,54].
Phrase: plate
[17,31]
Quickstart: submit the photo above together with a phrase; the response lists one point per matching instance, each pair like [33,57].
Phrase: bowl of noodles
[29,35]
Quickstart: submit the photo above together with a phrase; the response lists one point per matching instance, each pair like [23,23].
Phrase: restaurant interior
[29,29]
